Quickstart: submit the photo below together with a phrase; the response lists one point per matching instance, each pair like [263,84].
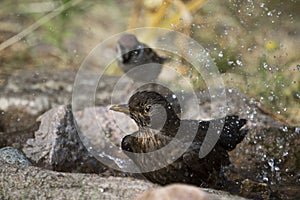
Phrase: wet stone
[37,183]
[14,156]
[103,129]
[269,156]
[56,144]
[255,190]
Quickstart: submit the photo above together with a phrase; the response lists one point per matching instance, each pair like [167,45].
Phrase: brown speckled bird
[158,125]
[137,59]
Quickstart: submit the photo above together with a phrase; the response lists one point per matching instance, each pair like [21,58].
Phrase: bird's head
[128,48]
[148,109]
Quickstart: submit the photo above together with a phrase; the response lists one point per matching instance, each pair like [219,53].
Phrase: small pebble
[14,156]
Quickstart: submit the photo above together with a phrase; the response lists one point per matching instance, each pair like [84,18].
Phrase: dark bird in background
[137,59]
[158,125]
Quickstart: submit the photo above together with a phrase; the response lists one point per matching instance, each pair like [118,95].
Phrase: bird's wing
[233,132]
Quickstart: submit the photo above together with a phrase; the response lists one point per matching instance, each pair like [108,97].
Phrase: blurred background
[255,43]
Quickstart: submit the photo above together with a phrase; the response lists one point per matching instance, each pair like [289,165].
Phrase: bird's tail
[233,133]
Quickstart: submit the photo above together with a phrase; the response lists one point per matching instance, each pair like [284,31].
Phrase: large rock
[270,156]
[101,130]
[37,183]
[56,144]
[36,91]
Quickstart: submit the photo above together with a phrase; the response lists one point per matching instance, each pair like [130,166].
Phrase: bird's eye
[147,108]
[135,53]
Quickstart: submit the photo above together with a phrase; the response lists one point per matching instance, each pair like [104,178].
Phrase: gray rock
[36,91]
[102,130]
[32,90]
[37,183]
[56,144]
[14,156]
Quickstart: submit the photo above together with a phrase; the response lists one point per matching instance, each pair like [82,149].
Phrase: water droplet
[220,54]
[287,169]
[269,13]
[262,5]
[230,62]
[271,98]
[238,62]
[251,117]
[285,129]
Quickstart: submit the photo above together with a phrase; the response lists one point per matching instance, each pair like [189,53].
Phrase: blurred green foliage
[56,31]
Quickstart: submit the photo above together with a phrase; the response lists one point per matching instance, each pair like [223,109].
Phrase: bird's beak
[121,108]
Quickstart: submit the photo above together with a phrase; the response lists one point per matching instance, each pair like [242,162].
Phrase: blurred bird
[137,59]
[159,125]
